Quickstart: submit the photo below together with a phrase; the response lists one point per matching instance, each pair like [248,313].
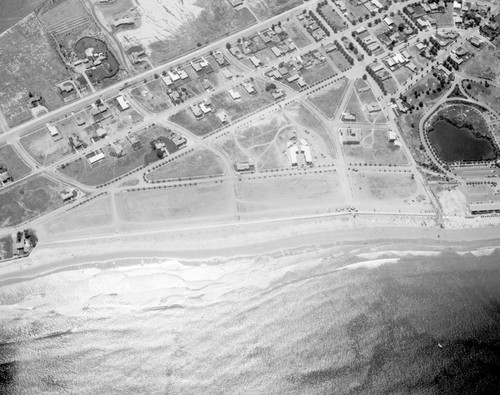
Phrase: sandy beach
[214,242]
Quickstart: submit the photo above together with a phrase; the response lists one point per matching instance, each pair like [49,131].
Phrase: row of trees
[319,22]
[341,49]
[377,79]
[319,10]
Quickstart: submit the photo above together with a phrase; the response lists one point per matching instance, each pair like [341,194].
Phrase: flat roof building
[123,103]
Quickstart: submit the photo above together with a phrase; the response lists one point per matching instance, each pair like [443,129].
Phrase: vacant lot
[375,148]
[207,202]
[355,107]
[485,63]
[428,90]
[216,19]
[408,125]
[200,163]
[12,11]
[113,166]
[91,215]
[327,100]
[332,18]
[339,59]
[389,191]
[318,73]
[29,65]
[444,19]
[32,197]
[289,195]
[10,160]
[265,9]
[295,33]
[152,96]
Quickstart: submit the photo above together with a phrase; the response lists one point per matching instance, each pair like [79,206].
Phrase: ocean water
[322,322]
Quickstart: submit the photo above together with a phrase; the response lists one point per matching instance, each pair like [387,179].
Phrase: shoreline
[244,241]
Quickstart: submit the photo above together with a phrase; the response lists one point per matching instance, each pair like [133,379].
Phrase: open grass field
[10,160]
[216,19]
[91,215]
[332,17]
[391,85]
[109,10]
[367,98]
[485,63]
[6,247]
[289,195]
[328,100]
[152,96]
[32,197]
[209,202]
[403,74]
[200,163]
[375,148]
[28,64]
[390,191]
[235,109]
[265,9]
[339,60]
[444,19]
[12,11]
[317,73]
[488,95]
[355,107]
[113,166]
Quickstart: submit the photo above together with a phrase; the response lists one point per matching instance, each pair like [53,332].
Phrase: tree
[364,77]
[270,87]
[420,104]
[401,27]
[228,45]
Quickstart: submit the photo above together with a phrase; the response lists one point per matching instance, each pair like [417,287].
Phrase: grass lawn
[484,64]
[152,96]
[112,166]
[403,74]
[327,100]
[199,163]
[217,19]
[6,247]
[229,146]
[444,19]
[391,85]
[489,96]
[265,9]
[29,64]
[375,148]
[32,197]
[427,83]
[15,165]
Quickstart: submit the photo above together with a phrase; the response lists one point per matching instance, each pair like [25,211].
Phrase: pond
[108,68]
[459,144]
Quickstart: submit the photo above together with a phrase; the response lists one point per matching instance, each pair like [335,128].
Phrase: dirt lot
[409,127]
[339,60]
[327,100]
[265,142]
[15,165]
[208,201]
[375,148]
[113,166]
[295,33]
[29,64]
[199,163]
[318,73]
[289,195]
[392,191]
[265,9]
[32,197]
[485,64]
[355,107]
